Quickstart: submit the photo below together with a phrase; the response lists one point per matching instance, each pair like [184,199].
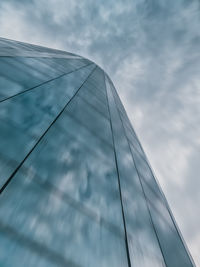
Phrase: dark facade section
[76,187]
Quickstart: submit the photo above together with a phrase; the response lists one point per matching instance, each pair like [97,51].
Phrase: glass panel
[91,119]
[143,246]
[19,250]
[166,230]
[15,48]
[133,140]
[172,246]
[68,203]
[65,198]
[45,227]
[117,100]
[93,100]
[19,74]
[145,172]
[156,198]
[97,85]
[24,118]
[69,64]
[82,168]
[94,94]
[24,72]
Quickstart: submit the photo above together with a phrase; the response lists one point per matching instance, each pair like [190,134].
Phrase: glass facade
[76,187]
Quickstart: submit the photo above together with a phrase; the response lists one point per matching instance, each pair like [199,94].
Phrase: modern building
[76,187]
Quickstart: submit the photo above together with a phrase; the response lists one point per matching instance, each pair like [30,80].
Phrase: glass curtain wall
[76,188]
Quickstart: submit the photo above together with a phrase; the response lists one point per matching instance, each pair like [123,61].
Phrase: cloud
[151,51]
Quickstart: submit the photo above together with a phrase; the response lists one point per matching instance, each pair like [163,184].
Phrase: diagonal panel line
[41,137]
[36,86]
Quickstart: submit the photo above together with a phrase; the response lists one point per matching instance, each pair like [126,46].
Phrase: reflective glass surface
[76,188]
[24,118]
[143,246]
[19,73]
[171,248]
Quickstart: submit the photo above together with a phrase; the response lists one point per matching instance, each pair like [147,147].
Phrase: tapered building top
[76,186]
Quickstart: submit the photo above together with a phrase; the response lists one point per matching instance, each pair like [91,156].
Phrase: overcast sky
[151,50]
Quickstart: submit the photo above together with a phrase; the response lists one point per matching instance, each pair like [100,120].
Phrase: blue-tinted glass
[71,204]
[166,232]
[26,71]
[133,140]
[14,48]
[19,74]
[143,246]
[92,99]
[145,171]
[24,118]
[95,94]
[82,168]
[91,119]
[76,186]
[97,86]
[172,246]
[42,220]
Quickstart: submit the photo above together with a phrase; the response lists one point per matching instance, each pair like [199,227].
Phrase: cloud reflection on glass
[75,191]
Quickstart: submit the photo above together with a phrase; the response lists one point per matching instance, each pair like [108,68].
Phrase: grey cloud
[151,51]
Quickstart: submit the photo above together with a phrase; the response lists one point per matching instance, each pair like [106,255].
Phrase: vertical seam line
[163,195]
[119,184]
[143,191]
